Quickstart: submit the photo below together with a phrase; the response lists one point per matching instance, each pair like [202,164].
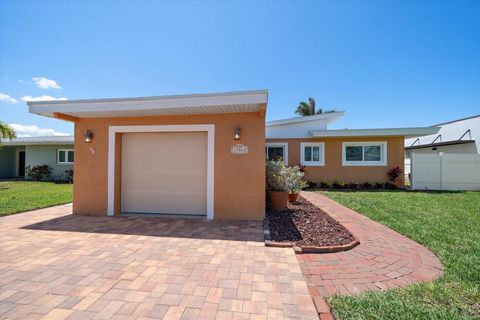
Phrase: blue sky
[387,64]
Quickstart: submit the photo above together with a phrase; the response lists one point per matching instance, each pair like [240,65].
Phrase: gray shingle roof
[20,141]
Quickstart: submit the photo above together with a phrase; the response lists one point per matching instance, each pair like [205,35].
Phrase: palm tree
[6,132]
[307,109]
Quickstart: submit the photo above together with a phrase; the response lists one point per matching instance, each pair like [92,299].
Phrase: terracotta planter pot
[278,199]
[292,197]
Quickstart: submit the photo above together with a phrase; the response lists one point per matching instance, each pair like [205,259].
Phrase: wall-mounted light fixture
[88,136]
[236,133]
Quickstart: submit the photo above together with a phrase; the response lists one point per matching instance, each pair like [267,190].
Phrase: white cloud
[41,98]
[45,83]
[7,98]
[34,131]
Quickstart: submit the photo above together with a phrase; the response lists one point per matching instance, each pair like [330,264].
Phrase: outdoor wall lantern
[88,136]
[237,133]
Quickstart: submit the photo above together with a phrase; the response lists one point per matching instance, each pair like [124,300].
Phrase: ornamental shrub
[324,184]
[276,175]
[379,185]
[394,173]
[67,176]
[337,184]
[367,185]
[294,179]
[310,184]
[38,173]
[352,185]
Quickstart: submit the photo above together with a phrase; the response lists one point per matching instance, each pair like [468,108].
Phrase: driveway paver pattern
[55,265]
[384,259]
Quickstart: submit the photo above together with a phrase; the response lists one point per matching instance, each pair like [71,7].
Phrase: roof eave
[225,102]
[386,132]
[439,144]
[317,117]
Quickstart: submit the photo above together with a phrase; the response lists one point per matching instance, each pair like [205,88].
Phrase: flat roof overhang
[190,104]
[33,141]
[328,117]
[385,132]
[439,144]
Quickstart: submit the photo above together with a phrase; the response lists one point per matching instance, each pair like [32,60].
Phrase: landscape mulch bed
[305,225]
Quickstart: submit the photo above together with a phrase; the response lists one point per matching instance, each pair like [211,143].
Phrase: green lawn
[19,196]
[448,223]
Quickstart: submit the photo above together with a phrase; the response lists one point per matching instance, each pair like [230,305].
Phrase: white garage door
[164,173]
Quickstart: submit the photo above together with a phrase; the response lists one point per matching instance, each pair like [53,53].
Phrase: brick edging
[307,249]
[322,307]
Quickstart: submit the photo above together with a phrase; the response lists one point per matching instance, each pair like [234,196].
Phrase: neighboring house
[457,136]
[349,155]
[204,154]
[19,153]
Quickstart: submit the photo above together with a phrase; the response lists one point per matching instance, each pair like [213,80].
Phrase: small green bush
[311,184]
[67,176]
[38,173]
[324,184]
[337,184]
[367,185]
[389,185]
[379,185]
[352,185]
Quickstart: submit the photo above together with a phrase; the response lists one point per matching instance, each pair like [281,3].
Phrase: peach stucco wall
[239,180]
[333,169]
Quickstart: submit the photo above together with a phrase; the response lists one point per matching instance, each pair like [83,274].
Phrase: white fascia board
[243,101]
[318,117]
[386,132]
[34,143]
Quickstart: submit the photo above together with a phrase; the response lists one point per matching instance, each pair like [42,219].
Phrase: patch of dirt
[306,225]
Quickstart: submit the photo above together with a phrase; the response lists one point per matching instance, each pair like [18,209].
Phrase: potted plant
[295,182]
[276,173]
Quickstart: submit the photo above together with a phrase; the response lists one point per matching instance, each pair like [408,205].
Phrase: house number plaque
[239,149]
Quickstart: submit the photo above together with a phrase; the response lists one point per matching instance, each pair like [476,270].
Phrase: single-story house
[347,155]
[19,153]
[204,154]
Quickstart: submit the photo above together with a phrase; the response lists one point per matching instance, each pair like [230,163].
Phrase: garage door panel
[164,180]
[164,173]
[168,162]
[167,201]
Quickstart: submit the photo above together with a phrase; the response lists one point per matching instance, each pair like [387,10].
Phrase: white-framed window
[65,156]
[312,153]
[276,150]
[372,153]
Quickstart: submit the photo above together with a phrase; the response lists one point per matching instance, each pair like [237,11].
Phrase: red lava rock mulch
[305,225]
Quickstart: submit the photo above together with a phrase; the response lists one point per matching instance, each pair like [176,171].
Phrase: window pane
[372,153]
[316,153]
[275,153]
[61,156]
[308,153]
[353,153]
[70,156]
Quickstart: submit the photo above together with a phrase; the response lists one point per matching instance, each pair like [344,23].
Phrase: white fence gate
[447,171]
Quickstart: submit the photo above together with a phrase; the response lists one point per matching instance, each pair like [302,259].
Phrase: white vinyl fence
[448,171]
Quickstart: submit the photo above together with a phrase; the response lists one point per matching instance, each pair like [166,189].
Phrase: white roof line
[305,119]
[45,140]
[190,104]
[147,98]
[410,132]
[457,120]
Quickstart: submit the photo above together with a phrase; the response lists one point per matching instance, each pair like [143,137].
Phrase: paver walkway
[54,265]
[384,259]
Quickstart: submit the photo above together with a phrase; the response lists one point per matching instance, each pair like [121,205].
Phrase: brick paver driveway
[55,265]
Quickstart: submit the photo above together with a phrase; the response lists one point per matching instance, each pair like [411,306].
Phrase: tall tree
[307,109]
[6,132]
